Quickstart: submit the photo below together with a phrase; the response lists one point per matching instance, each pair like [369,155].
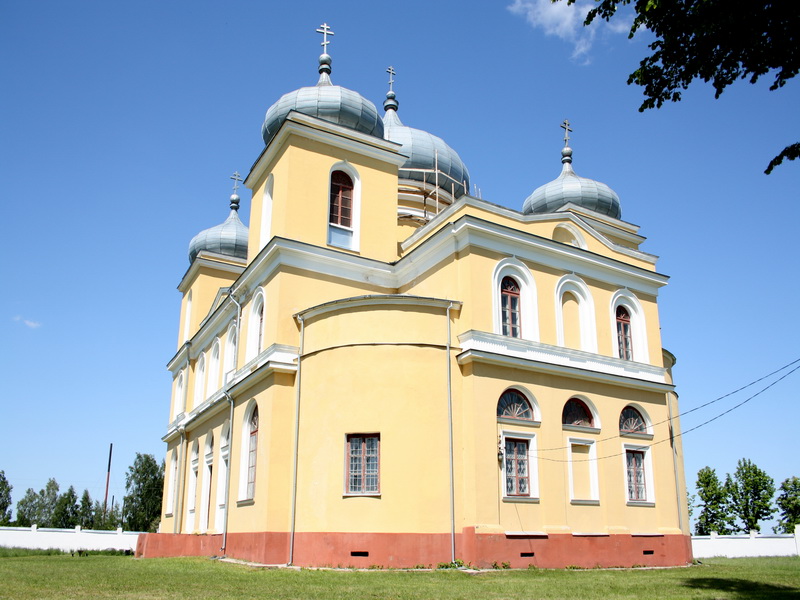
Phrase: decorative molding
[536,356]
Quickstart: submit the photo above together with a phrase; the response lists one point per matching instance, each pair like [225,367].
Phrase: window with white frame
[514,300]
[213,370]
[191,498]
[514,405]
[628,324]
[230,355]
[180,395]
[362,464]
[172,477]
[208,473]
[252,453]
[266,211]
[575,320]
[255,330]
[638,474]
[519,472]
[222,476]
[631,421]
[577,413]
[343,207]
[200,381]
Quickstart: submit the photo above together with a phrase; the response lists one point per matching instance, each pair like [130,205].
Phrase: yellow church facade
[385,370]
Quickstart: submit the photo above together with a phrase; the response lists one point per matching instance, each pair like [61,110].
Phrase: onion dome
[228,238]
[570,187]
[424,151]
[326,101]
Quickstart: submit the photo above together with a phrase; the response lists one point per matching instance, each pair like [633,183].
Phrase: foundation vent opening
[359,553]
[648,552]
[526,554]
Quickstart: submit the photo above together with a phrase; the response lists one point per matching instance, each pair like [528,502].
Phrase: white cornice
[229,264]
[323,131]
[177,362]
[496,349]
[576,215]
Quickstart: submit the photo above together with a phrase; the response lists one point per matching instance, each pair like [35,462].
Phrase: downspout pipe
[450,432]
[292,523]
[227,475]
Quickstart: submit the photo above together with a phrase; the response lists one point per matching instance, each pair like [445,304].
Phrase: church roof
[571,187]
[228,238]
[425,151]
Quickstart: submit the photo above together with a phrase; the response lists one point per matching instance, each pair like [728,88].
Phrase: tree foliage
[713,496]
[85,511]
[789,504]
[717,41]
[750,491]
[5,499]
[144,485]
[65,514]
[38,508]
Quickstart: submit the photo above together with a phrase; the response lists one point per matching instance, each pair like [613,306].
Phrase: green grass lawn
[40,576]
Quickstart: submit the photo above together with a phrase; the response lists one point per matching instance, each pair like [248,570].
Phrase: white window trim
[245,451]
[579,289]
[533,467]
[355,228]
[648,424]
[213,369]
[346,493]
[580,241]
[597,424]
[528,305]
[259,299]
[191,499]
[200,380]
[205,488]
[229,360]
[222,475]
[627,299]
[594,490]
[266,211]
[187,317]
[180,395]
[649,486]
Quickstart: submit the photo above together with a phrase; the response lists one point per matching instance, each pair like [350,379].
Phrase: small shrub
[506,565]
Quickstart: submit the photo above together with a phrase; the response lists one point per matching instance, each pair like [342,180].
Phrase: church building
[383,369]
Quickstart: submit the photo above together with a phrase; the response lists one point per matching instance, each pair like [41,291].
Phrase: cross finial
[325,30]
[565,126]
[391,73]
[236,179]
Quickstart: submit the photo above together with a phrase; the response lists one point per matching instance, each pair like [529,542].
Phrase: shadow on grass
[743,588]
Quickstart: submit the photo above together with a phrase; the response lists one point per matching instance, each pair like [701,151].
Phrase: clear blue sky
[122,122]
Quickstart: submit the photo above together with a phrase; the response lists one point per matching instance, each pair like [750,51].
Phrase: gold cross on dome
[325,30]
[391,73]
[236,179]
[565,126]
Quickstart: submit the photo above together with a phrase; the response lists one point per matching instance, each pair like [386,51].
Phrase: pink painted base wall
[427,550]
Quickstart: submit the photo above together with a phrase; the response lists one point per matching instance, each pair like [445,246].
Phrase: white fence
[755,544]
[68,540]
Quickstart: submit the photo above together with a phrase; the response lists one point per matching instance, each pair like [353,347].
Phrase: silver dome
[228,238]
[421,148]
[570,187]
[326,101]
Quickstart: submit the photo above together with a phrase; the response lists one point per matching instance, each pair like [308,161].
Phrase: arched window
[222,476]
[577,413]
[180,396]
[208,472]
[213,370]
[513,405]
[260,325]
[171,482]
[624,333]
[187,317]
[631,421]
[200,381]
[343,207]
[230,355]
[341,204]
[510,307]
[575,320]
[191,499]
[255,328]
[266,211]
[252,450]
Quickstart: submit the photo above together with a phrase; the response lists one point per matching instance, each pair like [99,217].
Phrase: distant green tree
[85,511]
[65,514]
[108,519]
[144,485]
[789,504]
[750,492]
[27,508]
[5,499]
[713,504]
